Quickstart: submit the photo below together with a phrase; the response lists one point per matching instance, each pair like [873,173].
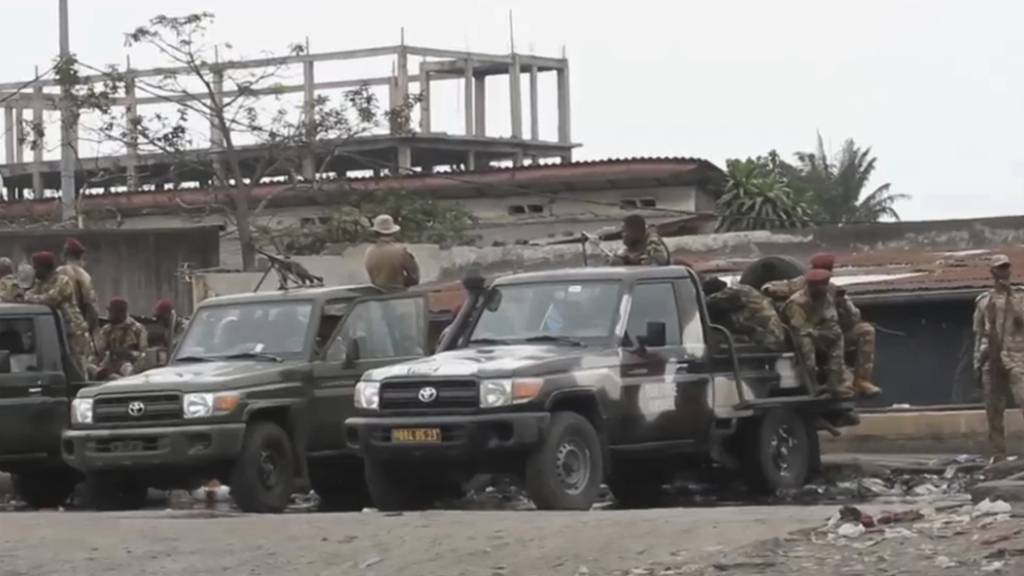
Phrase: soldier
[640,246]
[120,345]
[167,318]
[813,317]
[74,268]
[10,291]
[746,311]
[999,349]
[390,266]
[57,291]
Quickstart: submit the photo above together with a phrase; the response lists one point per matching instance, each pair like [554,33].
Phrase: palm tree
[756,197]
[835,188]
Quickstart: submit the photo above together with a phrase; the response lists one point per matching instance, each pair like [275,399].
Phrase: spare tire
[770,269]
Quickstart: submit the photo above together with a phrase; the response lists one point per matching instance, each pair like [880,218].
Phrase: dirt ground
[730,540]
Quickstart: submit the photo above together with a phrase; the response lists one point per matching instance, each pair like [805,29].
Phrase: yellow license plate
[416,435]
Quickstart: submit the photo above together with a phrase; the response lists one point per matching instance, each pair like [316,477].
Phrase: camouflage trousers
[81,351]
[828,351]
[1000,384]
[860,344]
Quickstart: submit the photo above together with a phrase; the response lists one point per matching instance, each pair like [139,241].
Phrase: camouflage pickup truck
[575,378]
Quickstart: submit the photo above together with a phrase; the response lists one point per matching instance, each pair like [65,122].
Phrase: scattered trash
[996,539]
[987,507]
[899,517]
[371,562]
[851,530]
[583,571]
[993,566]
[945,562]
[891,533]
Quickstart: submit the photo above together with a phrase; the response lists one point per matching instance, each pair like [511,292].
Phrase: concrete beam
[468,104]
[534,106]
[564,107]
[424,87]
[480,105]
[8,135]
[516,96]
[19,135]
[37,151]
[131,114]
[309,118]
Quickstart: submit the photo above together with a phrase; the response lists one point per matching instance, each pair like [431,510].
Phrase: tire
[777,452]
[48,488]
[393,488]
[264,475]
[636,486]
[341,487]
[566,471]
[770,269]
[110,491]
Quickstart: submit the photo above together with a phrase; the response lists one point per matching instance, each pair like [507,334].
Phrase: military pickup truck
[255,395]
[37,382]
[575,378]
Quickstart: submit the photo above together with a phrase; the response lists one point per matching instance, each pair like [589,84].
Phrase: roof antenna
[403,36]
[511,33]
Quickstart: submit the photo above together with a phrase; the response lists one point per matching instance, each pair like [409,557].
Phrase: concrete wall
[140,265]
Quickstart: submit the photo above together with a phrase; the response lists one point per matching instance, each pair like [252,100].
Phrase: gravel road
[194,543]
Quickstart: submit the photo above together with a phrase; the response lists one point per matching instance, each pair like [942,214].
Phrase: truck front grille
[451,395]
[155,408]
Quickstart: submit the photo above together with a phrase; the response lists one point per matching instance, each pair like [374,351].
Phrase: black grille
[451,394]
[157,408]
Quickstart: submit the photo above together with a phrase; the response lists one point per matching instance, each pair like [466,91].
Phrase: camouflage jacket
[126,341]
[85,294]
[750,313]
[653,253]
[58,292]
[809,317]
[10,290]
[783,290]
[999,328]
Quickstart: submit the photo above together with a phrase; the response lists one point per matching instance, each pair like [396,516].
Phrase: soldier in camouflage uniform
[10,291]
[999,349]
[745,311]
[120,345]
[85,294]
[641,246]
[57,291]
[812,315]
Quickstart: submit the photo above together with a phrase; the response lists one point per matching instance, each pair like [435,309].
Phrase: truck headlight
[81,411]
[204,405]
[367,395]
[502,392]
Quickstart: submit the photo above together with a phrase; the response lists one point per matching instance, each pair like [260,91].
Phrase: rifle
[288,272]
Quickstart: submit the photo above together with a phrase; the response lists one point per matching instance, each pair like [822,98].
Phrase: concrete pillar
[480,104]
[131,113]
[400,87]
[404,160]
[309,113]
[37,150]
[19,135]
[216,137]
[471,160]
[8,135]
[516,97]
[517,160]
[469,103]
[424,100]
[534,106]
[564,106]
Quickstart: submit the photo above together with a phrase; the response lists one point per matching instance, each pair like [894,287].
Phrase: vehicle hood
[499,362]
[203,377]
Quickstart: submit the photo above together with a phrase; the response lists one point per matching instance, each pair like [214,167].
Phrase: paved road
[194,543]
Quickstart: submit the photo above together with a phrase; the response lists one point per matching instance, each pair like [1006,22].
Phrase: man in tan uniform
[999,349]
[74,269]
[10,290]
[389,264]
[641,246]
[812,315]
[120,345]
[56,290]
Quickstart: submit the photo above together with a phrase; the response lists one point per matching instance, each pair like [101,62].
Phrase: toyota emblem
[428,394]
[136,409]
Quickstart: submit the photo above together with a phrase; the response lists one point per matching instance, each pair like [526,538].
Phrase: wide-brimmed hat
[385,224]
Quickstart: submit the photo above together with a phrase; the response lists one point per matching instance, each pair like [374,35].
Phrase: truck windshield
[256,329]
[556,312]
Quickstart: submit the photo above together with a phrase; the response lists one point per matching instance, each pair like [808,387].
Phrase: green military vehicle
[37,382]
[255,395]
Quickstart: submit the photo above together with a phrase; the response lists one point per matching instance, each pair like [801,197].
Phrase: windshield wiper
[193,359]
[493,341]
[552,338]
[253,355]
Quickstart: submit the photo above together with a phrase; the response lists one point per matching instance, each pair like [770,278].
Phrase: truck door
[376,332]
[33,388]
[664,386]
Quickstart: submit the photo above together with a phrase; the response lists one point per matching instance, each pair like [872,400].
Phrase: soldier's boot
[866,389]
[843,392]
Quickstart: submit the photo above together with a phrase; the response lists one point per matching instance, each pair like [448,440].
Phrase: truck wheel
[115,491]
[263,477]
[566,471]
[636,486]
[49,488]
[393,488]
[341,488]
[777,452]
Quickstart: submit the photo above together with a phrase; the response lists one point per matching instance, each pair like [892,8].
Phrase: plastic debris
[898,533]
[852,530]
[945,562]
[987,507]
[371,562]
[993,566]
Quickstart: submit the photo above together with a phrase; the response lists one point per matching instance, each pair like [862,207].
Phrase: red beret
[73,247]
[818,276]
[163,307]
[118,305]
[823,261]
[44,260]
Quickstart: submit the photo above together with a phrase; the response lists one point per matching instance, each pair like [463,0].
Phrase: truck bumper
[462,437]
[138,448]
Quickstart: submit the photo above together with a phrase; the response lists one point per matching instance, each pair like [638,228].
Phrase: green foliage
[757,197]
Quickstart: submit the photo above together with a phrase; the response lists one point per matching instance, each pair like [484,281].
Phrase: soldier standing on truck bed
[812,315]
[85,294]
[10,291]
[57,291]
[745,311]
[999,349]
[641,246]
[390,266]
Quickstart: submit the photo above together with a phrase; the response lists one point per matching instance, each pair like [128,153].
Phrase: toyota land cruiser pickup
[575,378]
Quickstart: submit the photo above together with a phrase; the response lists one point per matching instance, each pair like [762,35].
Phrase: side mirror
[351,353]
[655,337]
[5,362]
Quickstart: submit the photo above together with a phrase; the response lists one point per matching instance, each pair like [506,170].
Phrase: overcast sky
[936,88]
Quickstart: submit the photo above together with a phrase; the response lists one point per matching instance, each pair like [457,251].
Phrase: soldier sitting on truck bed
[745,312]
[120,345]
[812,315]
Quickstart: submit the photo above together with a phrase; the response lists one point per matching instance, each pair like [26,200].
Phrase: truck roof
[20,308]
[318,294]
[615,273]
